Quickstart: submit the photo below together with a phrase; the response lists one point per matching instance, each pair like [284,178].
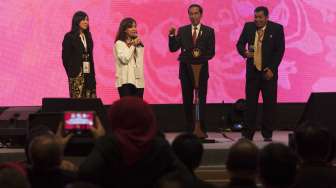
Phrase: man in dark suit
[197,44]
[266,47]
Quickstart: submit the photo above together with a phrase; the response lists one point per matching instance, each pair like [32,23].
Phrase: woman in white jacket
[129,57]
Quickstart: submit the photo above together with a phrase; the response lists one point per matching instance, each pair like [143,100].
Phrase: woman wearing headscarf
[135,154]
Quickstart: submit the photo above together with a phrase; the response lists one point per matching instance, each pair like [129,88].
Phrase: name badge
[86,67]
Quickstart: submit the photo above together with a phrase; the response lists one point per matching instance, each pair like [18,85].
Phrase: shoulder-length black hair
[124,24]
[76,19]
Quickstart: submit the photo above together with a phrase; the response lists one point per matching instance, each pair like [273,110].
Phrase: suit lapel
[267,32]
[189,35]
[80,43]
[253,34]
[200,34]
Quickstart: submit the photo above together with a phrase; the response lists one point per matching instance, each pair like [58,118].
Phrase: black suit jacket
[183,40]
[273,45]
[72,55]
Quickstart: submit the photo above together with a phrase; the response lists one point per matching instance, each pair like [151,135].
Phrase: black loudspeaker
[13,129]
[49,121]
[69,104]
[321,108]
[77,146]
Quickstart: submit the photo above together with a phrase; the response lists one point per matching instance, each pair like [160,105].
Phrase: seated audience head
[18,166]
[174,179]
[313,143]
[45,152]
[331,155]
[242,160]
[134,126]
[189,150]
[277,165]
[81,185]
[34,131]
[13,176]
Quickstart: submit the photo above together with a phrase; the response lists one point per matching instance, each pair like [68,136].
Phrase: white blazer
[129,65]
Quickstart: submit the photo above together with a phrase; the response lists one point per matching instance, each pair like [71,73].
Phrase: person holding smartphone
[79,122]
[129,57]
[133,153]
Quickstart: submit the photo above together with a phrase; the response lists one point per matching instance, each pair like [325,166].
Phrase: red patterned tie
[194,35]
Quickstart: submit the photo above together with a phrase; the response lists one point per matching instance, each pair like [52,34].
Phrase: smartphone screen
[78,122]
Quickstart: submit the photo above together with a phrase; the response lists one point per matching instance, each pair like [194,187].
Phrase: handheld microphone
[140,44]
[251,48]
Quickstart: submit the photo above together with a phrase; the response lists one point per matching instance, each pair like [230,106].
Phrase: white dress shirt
[197,30]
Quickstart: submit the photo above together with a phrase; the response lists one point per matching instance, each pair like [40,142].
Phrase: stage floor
[224,143]
[214,153]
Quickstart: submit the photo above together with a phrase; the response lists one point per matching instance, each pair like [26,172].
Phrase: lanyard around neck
[83,39]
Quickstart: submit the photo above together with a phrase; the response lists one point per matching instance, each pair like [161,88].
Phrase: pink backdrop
[32,32]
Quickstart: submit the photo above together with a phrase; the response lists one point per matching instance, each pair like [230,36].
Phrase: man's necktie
[194,35]
[258,50]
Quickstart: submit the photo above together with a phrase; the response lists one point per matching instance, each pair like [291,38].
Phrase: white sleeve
[123,52]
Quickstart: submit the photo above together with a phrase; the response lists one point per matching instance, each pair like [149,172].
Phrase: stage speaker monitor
[77,146]
[13,127]
[69,104]
[44,121]
[321,108]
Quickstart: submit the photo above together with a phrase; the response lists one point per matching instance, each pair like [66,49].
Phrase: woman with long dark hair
[129,57]
[78,58]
